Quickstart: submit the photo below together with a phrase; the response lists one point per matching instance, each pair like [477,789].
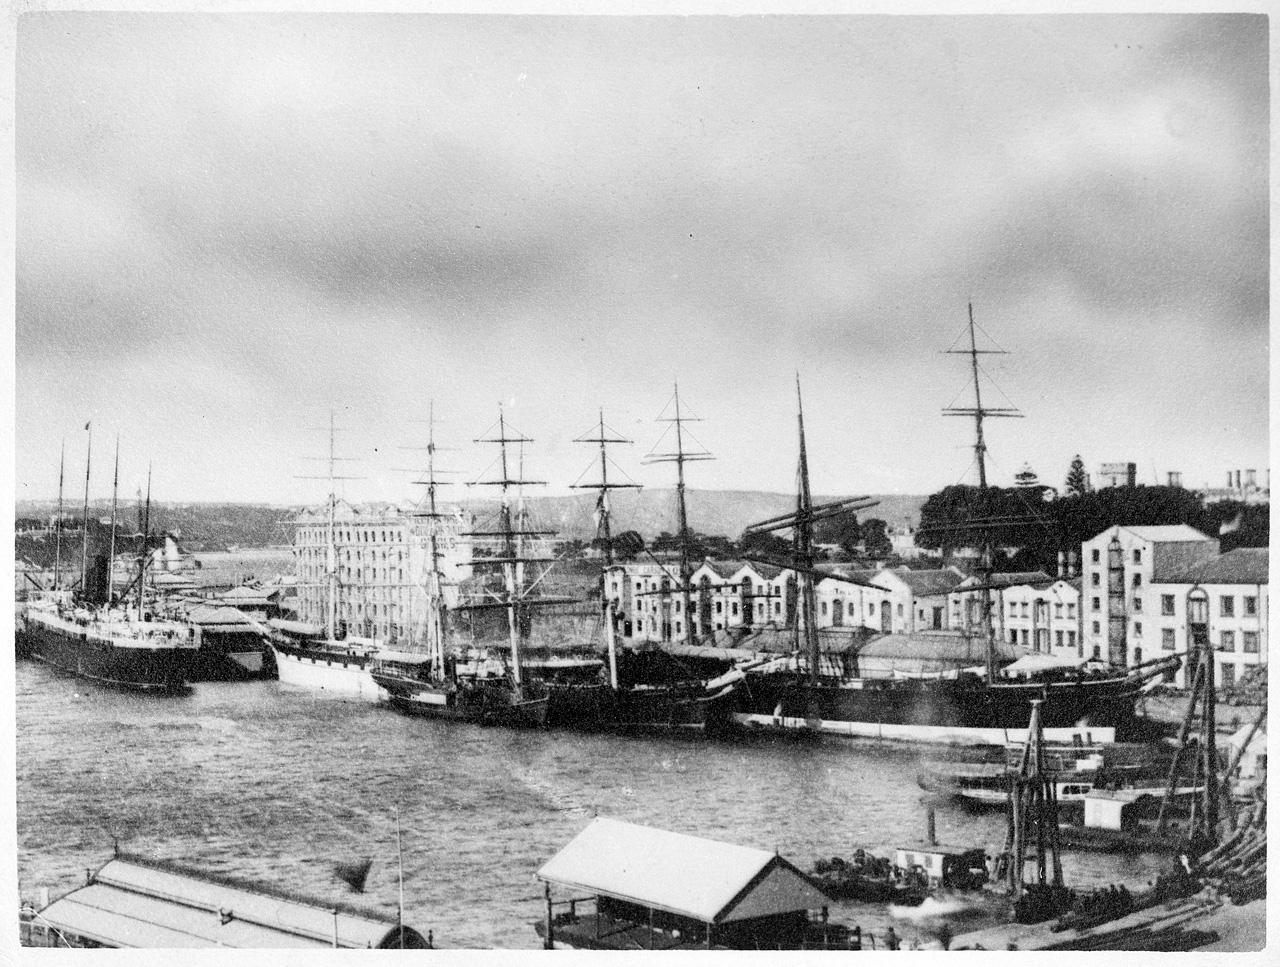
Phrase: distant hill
[214,526]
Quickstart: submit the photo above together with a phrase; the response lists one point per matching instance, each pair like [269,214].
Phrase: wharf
[1204,919]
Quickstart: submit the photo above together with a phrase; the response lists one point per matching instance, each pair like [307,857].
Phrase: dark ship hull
[475,701]
[947,711]
[598,707]
[232,657]
[148,669]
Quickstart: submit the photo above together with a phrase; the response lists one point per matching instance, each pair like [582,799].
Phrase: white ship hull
[927,734]
[327,675]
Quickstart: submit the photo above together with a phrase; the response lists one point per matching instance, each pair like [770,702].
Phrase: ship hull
[945,712]
[479,703]
[231,658]
[598,707]
[331,674]
[134,668]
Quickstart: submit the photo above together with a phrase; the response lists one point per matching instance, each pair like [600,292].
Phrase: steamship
[108,645]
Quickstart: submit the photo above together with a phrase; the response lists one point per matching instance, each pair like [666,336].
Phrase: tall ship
[89,632]
[438,683]
[621,700]
[1077,706]
[326,659]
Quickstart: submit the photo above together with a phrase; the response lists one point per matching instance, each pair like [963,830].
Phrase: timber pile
[1238,866]
[1173,928]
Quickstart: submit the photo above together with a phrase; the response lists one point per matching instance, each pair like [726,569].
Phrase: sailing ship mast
[980,412]
[331,549]
[435,577]
[111,559]
[680,458]
[84,521]
[145,552]
[57,540]
[802,561]
[514,592]
[802,541]
[603,536]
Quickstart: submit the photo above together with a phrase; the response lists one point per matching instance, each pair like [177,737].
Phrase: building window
[1057,639]
[1137,656]
[1166,604]
[1137,555]
[1071,610]
[1137,629]
[1071,639]
[1097,604]
[679,628]
[1137,580]
[1228,675]
[1097,652]
[1250,642]
[852,611]
[1095,556]
[1013,637]
[1095,579]
[1228,606]
[1013,609]
[1026,636]
[899,611]
[1097,628]
[1137,603]
[1228,641]
[1166,639]
[734,609]
[777,607]
[1057,609]
[824,607]
[1251,606]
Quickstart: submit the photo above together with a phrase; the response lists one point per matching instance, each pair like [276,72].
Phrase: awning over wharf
[701,879]
[141,903]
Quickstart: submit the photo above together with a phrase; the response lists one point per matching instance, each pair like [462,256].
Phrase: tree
[766,543]
[1077,483]
[875,537]
[842,529]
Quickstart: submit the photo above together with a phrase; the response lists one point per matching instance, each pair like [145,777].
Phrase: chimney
[1251,479]
[1238,480]
[1073,564]
[1228,479]
[1062,564]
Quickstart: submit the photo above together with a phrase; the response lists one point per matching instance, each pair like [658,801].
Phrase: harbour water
[250,780]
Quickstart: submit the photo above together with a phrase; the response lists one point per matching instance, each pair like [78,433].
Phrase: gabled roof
[211,615]
[1009,579]
[134,903]
[925,583]
[702,879]
[1158,533]
[1244,565]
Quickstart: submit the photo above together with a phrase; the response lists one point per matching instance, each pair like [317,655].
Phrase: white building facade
[382,559]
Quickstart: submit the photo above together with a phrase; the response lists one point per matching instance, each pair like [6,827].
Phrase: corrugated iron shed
[138,903]
[703,879]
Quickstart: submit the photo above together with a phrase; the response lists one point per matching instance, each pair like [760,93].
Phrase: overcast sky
[227,225]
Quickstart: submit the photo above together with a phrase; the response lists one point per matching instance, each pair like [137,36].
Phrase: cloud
[373,209]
